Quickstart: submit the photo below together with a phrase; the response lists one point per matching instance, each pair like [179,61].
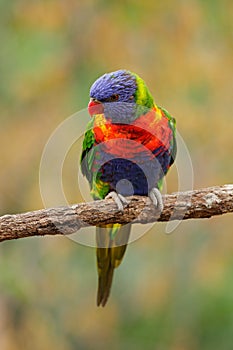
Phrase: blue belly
[137,176]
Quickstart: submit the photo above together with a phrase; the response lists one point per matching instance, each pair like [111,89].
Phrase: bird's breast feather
[148,133]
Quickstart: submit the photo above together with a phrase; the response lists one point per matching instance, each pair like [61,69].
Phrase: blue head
[114,95]
[116,86]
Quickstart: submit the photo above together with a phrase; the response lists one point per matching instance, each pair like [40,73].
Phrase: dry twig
[196,204]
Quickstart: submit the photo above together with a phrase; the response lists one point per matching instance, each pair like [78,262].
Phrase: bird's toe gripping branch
[118,199]
[156,198]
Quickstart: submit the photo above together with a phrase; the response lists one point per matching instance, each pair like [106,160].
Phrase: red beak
[95,107]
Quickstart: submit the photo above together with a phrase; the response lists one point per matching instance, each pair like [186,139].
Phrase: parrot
[128,147]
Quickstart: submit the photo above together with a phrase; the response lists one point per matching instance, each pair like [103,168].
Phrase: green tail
[111,245]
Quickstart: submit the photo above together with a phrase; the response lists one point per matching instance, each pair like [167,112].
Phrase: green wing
[173,145]
[172,124]
[88,152]
[99,189]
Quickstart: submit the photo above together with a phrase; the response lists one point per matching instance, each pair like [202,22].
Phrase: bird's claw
[118,199]
[156,198]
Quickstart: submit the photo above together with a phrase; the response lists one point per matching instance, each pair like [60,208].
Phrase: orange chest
[147,133]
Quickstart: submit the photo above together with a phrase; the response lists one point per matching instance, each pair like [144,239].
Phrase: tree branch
[196,204]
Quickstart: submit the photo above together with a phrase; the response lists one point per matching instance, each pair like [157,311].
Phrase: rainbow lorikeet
[128,148]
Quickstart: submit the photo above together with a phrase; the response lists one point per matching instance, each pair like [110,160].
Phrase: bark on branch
[196,204]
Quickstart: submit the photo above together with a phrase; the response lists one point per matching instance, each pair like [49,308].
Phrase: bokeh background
[171,292]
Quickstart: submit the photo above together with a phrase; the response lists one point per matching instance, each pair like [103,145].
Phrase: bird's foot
[118,199]
[156,198]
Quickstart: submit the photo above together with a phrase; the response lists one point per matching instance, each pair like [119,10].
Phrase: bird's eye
[114,97]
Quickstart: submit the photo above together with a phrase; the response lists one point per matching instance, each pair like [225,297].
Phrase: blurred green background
[171,292]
